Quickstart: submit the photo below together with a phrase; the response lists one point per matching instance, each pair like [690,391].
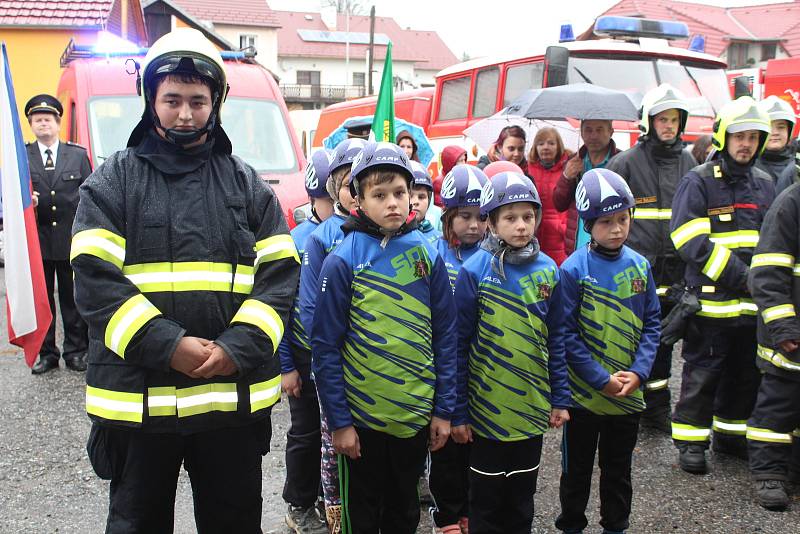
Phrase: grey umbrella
[581,101]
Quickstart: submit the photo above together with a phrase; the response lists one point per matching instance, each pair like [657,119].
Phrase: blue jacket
[454,258]
[383,337]
[295,334]
[611,322]
[317,247]
[511,368]
[432,235]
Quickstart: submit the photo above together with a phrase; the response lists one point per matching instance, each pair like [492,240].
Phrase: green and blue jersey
[511,369]
[611,322]
[383,335]
[454,258]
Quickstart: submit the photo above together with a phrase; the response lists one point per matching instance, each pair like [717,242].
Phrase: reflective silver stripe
[207,398]
[654,385]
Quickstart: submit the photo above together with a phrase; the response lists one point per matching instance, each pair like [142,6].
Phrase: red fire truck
[101,108]
[631,55]
[781,77]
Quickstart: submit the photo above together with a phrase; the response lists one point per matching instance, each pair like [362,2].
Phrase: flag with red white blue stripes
[27,305]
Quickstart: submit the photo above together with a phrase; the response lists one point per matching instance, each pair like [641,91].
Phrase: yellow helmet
[740,115]
[183,51]
[779,109]
[660,99]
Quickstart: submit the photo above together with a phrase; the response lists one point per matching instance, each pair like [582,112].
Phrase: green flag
[383,121]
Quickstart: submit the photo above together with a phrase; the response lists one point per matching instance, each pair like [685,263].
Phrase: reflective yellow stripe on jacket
[772,259]
[190,276]
[262,316]
[778,312]
[727,308]
[689,230]
[737,239]
[126,321]
[100,243]
[275,248]
[716,262]
[114,405]
[659,214]
[777,359]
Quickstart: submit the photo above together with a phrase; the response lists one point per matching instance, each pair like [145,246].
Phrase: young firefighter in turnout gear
[463,229]
[512,376]
[303,445]
[776,290]
[318,245]
[610,329]
[184,272]
[717,212]
[653,168]
[383,340]
[778,158]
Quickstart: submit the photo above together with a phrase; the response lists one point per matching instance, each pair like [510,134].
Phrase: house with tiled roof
[37,32]
[745,36]
[242,23]
[322,57]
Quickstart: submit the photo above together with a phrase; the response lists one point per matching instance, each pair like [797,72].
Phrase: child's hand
[440,432]
[462,434]
[630,383]
[558,416]
[345,441]
[613,386]
[291,383]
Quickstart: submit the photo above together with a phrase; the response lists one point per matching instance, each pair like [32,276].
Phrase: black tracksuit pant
[614,437]
[379,490]
[224,467]
[76,339]
[449,482]
[770,428]
[719,383]
[303,440]
[502,482]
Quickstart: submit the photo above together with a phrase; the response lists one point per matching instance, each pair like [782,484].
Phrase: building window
[247,41]
[308,77]
[359,79]
[768,51]
[737,55]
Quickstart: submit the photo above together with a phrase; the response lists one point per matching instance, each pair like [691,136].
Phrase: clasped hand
[200,358]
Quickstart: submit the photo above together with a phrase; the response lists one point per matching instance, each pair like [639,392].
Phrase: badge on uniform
[420,268]
[637,285]
[544,291]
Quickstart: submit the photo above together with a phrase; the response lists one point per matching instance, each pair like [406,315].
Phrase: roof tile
[55,13]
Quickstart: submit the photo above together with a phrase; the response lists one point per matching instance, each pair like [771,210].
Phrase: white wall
[333,71]
[266,41]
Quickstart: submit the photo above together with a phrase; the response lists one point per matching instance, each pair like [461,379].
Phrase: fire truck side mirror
[741,87]
[556,62]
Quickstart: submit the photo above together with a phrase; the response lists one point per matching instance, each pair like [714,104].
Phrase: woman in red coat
[545,165]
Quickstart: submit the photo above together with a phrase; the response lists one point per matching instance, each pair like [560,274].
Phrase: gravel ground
[47,484]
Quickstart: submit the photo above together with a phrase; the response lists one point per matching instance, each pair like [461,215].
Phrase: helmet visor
[186,64]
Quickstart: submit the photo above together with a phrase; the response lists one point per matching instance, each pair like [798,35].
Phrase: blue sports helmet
[602,192]
[507,188]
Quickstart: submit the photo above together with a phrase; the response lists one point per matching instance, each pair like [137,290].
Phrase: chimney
[328,15]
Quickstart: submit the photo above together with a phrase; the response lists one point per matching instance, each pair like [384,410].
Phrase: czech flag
[27,306]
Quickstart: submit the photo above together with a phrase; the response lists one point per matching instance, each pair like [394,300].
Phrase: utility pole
[371,47]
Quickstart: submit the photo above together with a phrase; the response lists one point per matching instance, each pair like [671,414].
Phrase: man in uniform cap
[57,171]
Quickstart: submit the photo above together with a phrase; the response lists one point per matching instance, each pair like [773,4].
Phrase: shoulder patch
[70,143]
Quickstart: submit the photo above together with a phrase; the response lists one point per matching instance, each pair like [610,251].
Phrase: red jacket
[552,229]
[450,155]
[564,199]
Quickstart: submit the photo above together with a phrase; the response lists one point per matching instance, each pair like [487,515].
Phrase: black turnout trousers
[224,467]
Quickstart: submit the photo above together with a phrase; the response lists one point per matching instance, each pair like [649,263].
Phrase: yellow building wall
[34,56]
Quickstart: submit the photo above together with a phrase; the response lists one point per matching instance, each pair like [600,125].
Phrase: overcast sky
[490,27]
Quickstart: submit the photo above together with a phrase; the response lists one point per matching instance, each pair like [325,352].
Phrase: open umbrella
[484,133]
[424,149]
[581,101]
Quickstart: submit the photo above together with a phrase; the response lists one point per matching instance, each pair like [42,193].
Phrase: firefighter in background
[717,212]
[778,158]
[57,171]
[185,273]
[653,168]
[776,291]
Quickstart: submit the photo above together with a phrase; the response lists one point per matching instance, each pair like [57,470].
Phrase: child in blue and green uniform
[303,445]
[611,326]
[462,226]
[383,343]
[317,246]
[512,376]
[463,229]
[421,199]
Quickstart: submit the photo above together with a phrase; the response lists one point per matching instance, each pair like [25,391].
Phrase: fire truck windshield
[257,130]
[705,87]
